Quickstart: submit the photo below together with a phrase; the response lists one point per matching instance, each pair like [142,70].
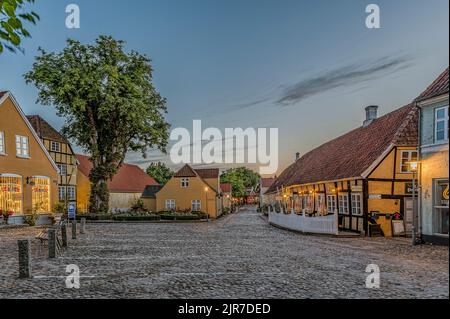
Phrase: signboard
[408,188]
[398,227]
[356,188]
[374,196]
[443,193]
[71,209]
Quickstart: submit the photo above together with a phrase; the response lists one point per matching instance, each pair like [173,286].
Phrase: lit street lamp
[206,206]
[414,168]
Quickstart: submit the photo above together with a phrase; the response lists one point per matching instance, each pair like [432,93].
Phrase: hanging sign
[408,188]
[356,188]
[71,210]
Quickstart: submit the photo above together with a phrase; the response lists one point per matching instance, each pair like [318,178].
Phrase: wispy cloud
[342,77]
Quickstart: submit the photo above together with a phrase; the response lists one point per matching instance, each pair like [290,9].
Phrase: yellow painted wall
[83,192]
[183,196]
[11,123]
[150,204]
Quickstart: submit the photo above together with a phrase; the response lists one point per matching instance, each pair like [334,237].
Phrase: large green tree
[160,172]
[109,103]
[240,179]
[13,15]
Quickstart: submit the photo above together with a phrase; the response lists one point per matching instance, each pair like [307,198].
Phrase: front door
[409,215]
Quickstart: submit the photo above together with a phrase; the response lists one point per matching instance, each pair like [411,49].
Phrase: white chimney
[371,114]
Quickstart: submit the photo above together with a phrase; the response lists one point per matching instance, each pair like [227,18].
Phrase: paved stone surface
[238,256]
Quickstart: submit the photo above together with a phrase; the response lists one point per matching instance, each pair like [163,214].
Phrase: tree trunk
[99,198]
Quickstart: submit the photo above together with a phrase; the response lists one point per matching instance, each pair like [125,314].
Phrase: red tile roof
[208,172]
[438,87]
[225,187]
[350,155]
[129,179]
[267,182]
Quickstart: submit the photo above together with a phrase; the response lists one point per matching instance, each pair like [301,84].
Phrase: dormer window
[185,182]
[441,124]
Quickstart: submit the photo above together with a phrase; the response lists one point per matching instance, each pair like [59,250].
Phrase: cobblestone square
[238,256]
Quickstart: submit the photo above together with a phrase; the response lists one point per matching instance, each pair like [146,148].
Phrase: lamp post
[414,167]
[206,206]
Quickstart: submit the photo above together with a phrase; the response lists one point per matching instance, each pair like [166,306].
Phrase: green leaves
[159,172]
[107,98]
[240,178]
[12,30]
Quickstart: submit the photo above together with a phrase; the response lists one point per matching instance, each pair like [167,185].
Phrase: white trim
[10,175]
[30,127]
[2,138]
[445,120]
[433,100]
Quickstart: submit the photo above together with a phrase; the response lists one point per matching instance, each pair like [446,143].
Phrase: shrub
[31,219]
[180,217]
[136,217]
[226,210]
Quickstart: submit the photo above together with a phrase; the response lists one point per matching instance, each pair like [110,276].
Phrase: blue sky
[306,67]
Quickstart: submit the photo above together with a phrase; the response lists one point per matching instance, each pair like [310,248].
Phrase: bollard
[51,243]
[83,226]
[24,258]
[74,229]
[64,234]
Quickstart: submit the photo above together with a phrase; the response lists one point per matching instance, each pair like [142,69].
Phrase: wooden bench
[42,236]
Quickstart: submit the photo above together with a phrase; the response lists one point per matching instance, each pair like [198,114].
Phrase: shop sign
[356,188]
[374,196]
[443,191]
[408,188]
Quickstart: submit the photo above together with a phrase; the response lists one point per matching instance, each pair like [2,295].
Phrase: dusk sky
[306,67]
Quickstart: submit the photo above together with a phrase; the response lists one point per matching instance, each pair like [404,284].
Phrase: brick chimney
[371,114]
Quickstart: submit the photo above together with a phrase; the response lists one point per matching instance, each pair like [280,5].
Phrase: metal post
[51,243]
[83,226]
[413,229]
[64,234]
[74,229]
[24,258]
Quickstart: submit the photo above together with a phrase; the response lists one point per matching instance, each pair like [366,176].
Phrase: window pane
[41,195]
[440,113]
[11,194]
[440,125]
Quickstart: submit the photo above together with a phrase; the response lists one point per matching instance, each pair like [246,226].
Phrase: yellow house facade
[191,190]
[363,176]
[28,174]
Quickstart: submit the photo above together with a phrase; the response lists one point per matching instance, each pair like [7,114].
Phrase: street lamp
[414,168]
[206,206]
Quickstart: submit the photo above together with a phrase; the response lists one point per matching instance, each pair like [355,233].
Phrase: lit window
[41,194]
[441,124]
[357,204]
[343,204]
[331,201]
[11,193]
[22,146]
[2,143]
[440,216]
[320,203]
[170,204]
[196,205]
[71,192]
[55,146]
[407,157]
[184,182]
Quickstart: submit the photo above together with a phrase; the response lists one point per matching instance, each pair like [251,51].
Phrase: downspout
[419,175]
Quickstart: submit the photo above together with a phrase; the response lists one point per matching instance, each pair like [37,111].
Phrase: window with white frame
[2,143]
[71,193]
[343,204]
[22,146]
[62,169]
[184,182]
[170,204]
[357,204]
[55,146]
[320,203]
[196,205]
[441,124]
[331,204]
[62,193]
[406,158]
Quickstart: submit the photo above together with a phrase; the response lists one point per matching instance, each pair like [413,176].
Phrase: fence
[316,225]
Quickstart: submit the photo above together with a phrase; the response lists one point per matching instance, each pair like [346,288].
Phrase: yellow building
[192,190]
[28,174]
[363,175]
[63,155]
[125,189]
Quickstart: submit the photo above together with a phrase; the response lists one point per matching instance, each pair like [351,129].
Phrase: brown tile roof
[185,171]
[208,172]
[129,179]
[45,130]
[438,87]
[267,182]
[351,154]
[225,187]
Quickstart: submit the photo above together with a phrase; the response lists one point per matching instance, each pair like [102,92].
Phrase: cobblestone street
[238,256]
